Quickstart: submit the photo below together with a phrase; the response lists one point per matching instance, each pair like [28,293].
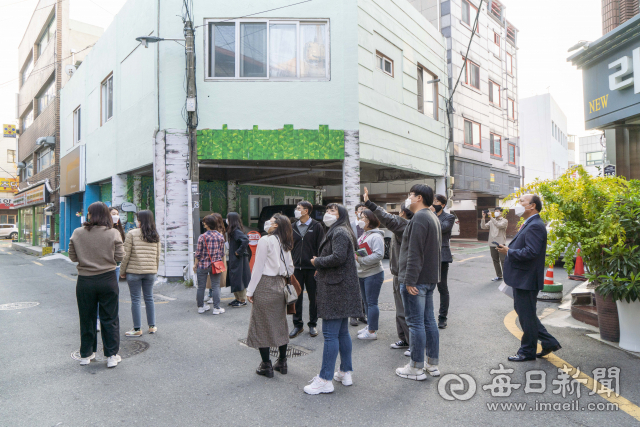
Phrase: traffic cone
[548,278]
[578,271]
[551,292]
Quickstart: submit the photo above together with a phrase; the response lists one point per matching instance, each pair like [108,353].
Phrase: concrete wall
[540,149]
[392,130]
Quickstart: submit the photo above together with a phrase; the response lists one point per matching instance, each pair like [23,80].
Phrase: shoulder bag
[291,286]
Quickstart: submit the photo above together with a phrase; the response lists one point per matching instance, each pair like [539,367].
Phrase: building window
[511,109]
[512,154]
[47,96]
[511,34]
[496,38]
[472,74]
[496,9]
[495,145]
[494,93]
[77,126]
[595,158]
[48,36]
[469,13]
[26,71]
[472,134]
[107,99]
[27,120]
[509,64]
[27,172]
[8,219]
[256,203]
[293,200]
[45,159]
[268,49]
[427,93]
[11,156]
[384,63]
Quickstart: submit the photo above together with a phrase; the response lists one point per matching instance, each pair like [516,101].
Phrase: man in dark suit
[524,270]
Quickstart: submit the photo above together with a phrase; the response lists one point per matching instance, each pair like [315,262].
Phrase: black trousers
[307,280]
[91,290]
[524,302]
[443,290]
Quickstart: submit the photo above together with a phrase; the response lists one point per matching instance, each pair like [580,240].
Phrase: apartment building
[8,179]
[484,143]
[617,12]
[543,136]
[50,45]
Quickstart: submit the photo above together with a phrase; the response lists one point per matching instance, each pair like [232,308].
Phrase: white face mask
[115,218]
[407,203]
[497,214]
[138,224]
[226,222]
[519,210]
[329,219]
[361,224]
[298,214]
[267,226]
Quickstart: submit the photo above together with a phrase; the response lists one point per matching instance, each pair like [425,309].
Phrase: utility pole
[192,130]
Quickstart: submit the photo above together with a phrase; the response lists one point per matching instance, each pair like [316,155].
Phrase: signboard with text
[34,196]
[9,184]
[9,131]
[6,203]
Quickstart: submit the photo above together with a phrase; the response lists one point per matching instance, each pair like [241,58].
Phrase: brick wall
[468,224]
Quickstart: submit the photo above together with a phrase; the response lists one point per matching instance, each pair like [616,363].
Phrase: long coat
[239,271]
[338,289]
[446,225]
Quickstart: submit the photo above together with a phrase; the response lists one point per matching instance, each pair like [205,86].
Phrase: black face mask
[438,208]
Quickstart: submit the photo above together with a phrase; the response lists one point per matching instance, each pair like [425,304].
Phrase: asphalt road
[196,372]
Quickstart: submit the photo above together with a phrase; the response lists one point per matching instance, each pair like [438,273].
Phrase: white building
[593,153]
[572,152]
[8,173]
[543,136]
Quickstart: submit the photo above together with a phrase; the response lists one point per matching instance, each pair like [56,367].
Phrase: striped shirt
[210,248]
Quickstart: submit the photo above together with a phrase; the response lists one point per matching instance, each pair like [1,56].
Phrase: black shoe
[296,331]
[496,279]
[546,351]
[442,323]
[239,304]
[400,344]
[281,366]
[265,369]
[235,301]
[520,358]
[353,321]
[313,331]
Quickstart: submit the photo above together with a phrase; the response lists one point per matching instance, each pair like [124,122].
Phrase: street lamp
[145,40]
[582,43]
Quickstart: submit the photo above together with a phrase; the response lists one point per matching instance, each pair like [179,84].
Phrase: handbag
[218,267]
[291,286]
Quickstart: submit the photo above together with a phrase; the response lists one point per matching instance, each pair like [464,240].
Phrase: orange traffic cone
[548,279]
[578,271]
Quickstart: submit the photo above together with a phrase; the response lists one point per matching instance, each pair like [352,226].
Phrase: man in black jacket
[307,236]
[446,225]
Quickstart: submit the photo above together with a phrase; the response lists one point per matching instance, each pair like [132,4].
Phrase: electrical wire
[466,56]
[257,13]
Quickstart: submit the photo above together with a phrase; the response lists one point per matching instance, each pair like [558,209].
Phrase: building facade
[484,146]
[8,173]
[307,102]
[544,142]
[593,153]
[572,151]
[617,12]
[50,44]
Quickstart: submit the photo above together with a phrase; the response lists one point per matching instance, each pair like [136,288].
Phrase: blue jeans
[140,284]
[336,340]
[422,324]
[370,291]
[202,285]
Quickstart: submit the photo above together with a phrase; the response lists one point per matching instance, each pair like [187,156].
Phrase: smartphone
[496,243]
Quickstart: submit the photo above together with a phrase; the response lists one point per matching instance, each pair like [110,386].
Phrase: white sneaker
[204,308]
[410,373]
[431,369]
[407,353]
[318,385]
[87,360]
[217,311]
[343,377]
[210,300]
[98,326]
[361,331]
[112,361]
[366,335]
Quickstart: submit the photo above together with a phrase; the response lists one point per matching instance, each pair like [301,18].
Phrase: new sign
[612,87]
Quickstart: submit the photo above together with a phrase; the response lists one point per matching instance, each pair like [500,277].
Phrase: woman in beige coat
[140,266]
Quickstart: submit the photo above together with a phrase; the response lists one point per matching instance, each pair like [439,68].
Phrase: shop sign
[6,203]
[9,184]
[34,196]
[9,131]
[610,170]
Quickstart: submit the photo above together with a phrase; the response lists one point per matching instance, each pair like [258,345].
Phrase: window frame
[509,147]
[470,15]
[51,86]
[26,169]
[11,153]
[77,125]
[511,109]
[28,112]
[492,137]
[509,59]
[259,197]
[594,162]
[46,32]
[28,65]
[491,94]
[496,39]
[208,64]
[436,93]
[387,59]
[467,76]
[103,101]
[41,154]
[479,134]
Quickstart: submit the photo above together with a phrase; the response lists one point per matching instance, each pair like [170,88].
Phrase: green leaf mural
[279,144]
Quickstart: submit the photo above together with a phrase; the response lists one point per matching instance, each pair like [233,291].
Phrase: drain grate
[18,305]
[128,349]
[292,350]
[386,306]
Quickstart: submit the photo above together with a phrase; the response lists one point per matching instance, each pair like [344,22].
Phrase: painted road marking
[37,263]
[591,384]
[66,277]
[463,260]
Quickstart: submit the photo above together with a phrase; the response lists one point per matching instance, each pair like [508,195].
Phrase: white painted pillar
[351,172]
[137,191]
[232,196]
[318,200]
[119,193]
[159,170]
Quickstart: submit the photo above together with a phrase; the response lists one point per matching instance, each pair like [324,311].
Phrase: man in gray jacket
[497,226]
[418,274]
[395,224]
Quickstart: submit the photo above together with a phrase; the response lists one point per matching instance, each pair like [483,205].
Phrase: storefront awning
[36,195]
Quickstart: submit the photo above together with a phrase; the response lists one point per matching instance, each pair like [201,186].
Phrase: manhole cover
[128,349]
[386,306]
[292,350]
[18,305]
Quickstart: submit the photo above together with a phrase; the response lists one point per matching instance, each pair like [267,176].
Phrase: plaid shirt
[210,249]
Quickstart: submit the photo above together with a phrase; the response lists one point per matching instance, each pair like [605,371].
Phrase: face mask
[407,203]
[519,210]
[361,224]
[115,218]
[438,208]
[226,222]
[138,224]
[267,226]
[497,214]
[298,214]
[329,219]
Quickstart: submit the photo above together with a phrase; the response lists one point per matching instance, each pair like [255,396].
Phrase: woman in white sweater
[140,266]
[268,325]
